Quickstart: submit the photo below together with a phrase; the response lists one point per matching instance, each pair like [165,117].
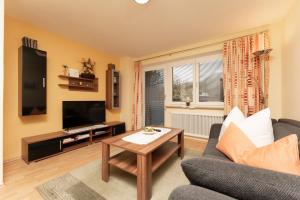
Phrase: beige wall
[60,51]
[275,88]
[127,82]
[291,64]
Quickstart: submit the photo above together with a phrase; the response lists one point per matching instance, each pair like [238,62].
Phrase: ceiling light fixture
[141,1]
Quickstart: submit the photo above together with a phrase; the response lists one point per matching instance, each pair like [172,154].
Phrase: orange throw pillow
[234,143]
[282,156]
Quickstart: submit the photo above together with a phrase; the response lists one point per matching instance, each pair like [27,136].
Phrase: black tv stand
[42,146]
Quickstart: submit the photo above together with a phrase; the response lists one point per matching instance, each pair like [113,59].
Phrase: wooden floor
[21,179]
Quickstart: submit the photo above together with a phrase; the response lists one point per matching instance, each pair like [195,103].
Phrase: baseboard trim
[195,138]
[11,160]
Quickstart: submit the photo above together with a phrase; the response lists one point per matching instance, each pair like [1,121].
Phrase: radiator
[195,124]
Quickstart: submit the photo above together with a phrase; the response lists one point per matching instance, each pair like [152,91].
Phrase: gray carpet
[85,183]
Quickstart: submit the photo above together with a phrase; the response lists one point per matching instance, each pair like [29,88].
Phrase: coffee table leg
[144,177]
[105,164]
[181,143]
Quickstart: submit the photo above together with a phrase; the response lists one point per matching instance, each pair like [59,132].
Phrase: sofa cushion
[290,121]
[215,131]
[191,192]
[281,156]
[212,152]
[216,128]
[236,116]
[241,181]
[258,127]
[283,129]
[234,143]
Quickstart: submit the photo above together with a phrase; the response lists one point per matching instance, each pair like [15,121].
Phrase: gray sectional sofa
[215,177]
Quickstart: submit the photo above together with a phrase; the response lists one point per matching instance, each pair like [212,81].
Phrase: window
[182,82]
[199,79]
[211,81]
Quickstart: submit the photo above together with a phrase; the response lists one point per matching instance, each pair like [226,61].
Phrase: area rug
[85,183]
[67,187]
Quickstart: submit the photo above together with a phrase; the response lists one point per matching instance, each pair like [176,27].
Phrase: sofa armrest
[241,181]
[215,131]
[192,192]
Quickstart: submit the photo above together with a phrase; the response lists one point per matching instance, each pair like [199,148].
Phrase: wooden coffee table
[141,160]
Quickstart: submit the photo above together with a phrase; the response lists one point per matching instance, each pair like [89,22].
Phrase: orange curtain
[137,98]
[243,74]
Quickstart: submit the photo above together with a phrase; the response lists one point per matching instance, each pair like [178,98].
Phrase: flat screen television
[82,113]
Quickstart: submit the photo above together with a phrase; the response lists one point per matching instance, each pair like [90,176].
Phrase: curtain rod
[193,48]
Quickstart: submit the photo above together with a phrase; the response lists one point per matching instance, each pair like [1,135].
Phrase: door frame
[144,70]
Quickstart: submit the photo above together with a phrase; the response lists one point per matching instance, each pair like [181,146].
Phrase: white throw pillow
[236,116]
[258,128]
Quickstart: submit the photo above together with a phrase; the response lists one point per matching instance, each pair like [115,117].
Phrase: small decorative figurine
[66,70]
[87,68]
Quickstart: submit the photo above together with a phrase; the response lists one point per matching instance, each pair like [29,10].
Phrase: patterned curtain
[137,98]
[246,81]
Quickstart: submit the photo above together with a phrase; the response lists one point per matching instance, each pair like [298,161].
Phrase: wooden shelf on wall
[76,86]
[77,78]
[112,89]
[77,83]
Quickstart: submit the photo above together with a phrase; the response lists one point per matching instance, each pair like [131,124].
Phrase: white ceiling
[125,28]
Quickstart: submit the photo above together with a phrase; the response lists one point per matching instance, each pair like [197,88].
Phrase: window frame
[168,80]
[192,63]
[198,61]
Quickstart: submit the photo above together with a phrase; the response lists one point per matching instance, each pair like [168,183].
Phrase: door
[154,97]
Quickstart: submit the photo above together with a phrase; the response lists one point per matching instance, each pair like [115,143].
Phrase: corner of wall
[61,50]
[1,86]
[275,86]
[291,63]
[127,82]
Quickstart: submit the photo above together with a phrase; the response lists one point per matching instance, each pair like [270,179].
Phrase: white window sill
[196,106]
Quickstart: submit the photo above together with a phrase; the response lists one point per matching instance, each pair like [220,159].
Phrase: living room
[131,100]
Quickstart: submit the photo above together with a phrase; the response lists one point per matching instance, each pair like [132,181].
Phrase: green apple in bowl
[148,129]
